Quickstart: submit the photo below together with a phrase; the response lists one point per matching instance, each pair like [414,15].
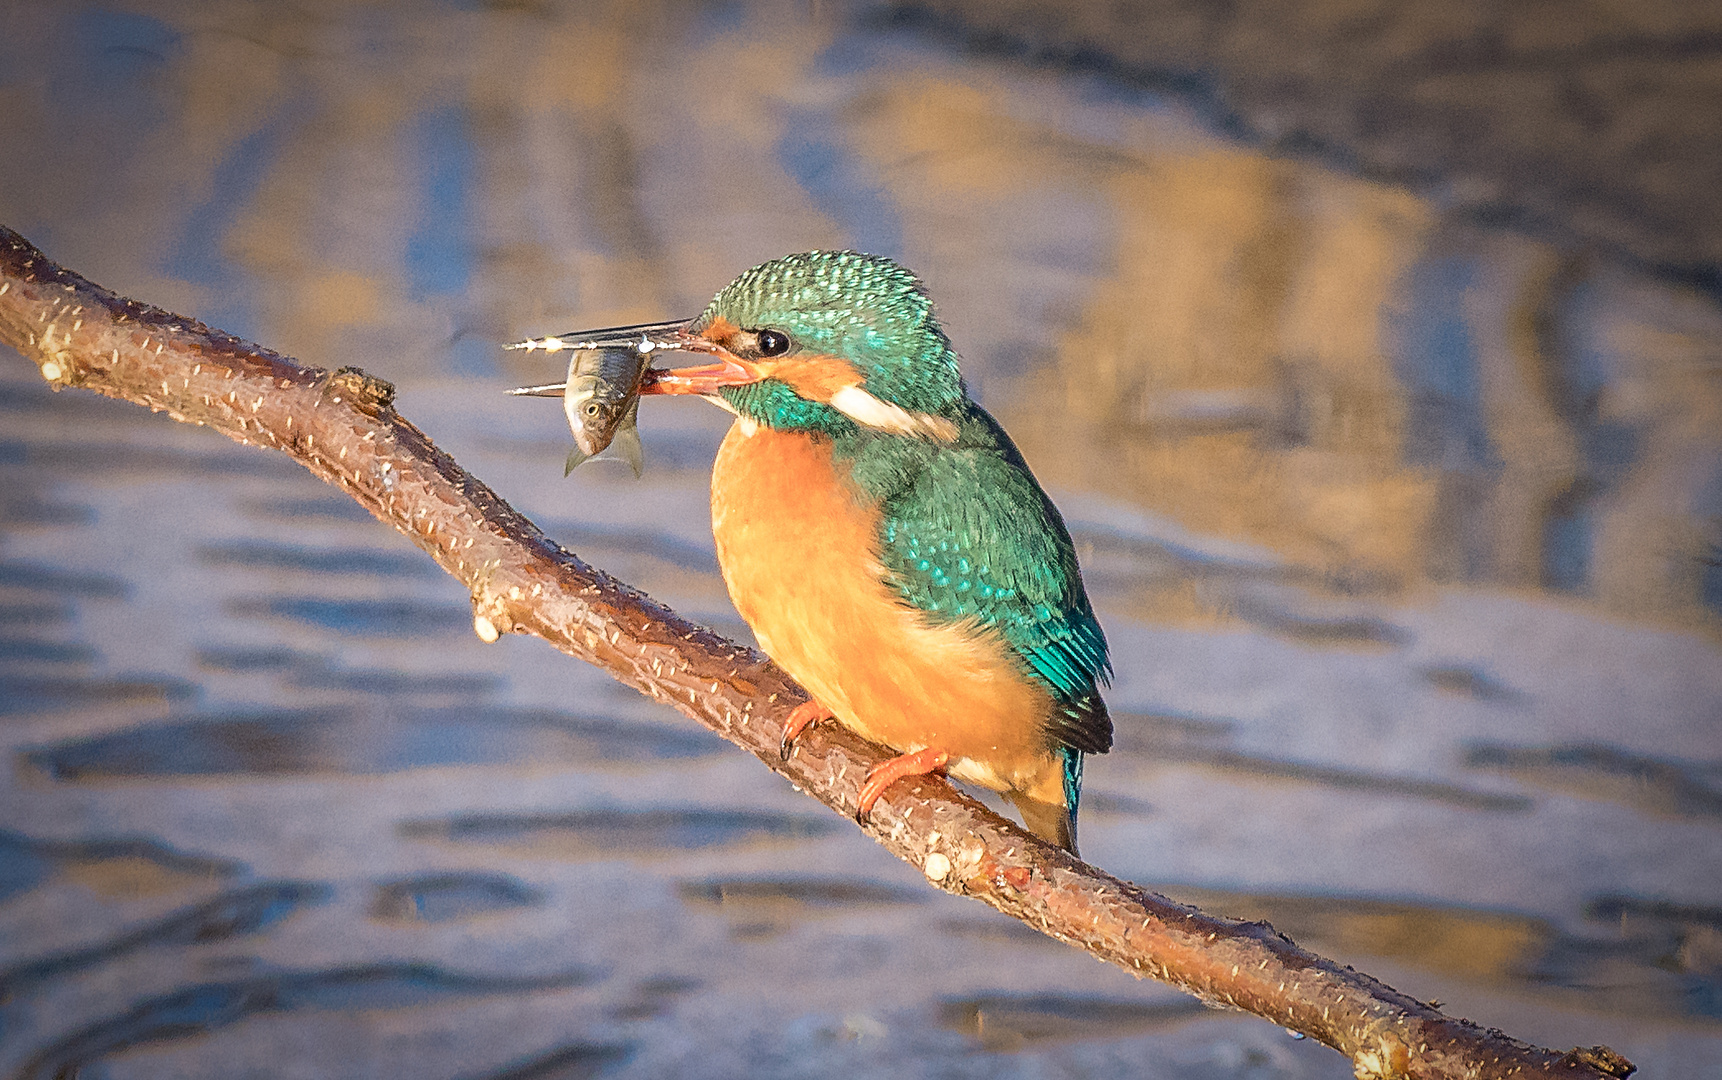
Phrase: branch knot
[367,393]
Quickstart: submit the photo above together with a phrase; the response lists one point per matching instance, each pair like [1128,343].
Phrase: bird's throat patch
[834,381]
[816,378]
[864,408]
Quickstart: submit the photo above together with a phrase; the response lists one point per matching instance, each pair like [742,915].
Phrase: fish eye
[591,408]
[773,343]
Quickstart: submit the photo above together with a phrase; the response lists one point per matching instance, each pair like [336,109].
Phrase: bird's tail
[1072,796]
[1052,822]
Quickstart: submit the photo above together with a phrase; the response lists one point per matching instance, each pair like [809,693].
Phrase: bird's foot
[886,773]
[807,713]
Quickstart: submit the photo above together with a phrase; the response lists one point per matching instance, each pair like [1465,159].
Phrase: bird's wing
[969,536]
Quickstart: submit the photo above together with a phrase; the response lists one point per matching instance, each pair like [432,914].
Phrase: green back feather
[968,536]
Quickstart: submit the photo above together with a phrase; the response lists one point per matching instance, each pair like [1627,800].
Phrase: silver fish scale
[602,402]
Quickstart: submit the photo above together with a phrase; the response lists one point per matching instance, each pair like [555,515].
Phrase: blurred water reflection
[1407,532]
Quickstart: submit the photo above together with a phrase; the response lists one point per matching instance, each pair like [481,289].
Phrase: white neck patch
[863,408]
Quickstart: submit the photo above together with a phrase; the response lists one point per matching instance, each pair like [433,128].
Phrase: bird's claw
[888,772]
[804,714]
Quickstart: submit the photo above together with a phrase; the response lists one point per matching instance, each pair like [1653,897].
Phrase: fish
[602,403]
[601,396]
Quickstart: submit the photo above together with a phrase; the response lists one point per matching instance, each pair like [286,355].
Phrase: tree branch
[342,426]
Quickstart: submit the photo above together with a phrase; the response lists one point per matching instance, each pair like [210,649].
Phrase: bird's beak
[556,389]
[702,379]
[730,370]
[642,336]
[646,337]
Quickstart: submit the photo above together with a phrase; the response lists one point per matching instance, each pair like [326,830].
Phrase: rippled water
[1405,531]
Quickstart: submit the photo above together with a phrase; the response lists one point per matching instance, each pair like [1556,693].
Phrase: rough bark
[341,425]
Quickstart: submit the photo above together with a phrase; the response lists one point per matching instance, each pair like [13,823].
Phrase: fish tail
[626,442]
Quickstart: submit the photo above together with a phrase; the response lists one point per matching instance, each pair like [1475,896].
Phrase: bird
[885,540]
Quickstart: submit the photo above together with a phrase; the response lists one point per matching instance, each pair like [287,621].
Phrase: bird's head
[808,340]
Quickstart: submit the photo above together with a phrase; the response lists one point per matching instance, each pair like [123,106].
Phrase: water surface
[1405,531]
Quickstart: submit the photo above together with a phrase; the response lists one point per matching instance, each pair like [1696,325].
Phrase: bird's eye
[773,343]
[591,408]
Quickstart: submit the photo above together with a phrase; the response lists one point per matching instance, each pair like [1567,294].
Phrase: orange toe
[804,714]
[886,773]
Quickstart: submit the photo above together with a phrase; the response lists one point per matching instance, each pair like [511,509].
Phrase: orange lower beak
[704,379]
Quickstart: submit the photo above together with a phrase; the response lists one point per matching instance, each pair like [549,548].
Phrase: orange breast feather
[799,552]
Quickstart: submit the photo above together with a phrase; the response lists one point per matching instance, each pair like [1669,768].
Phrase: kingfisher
[884,538]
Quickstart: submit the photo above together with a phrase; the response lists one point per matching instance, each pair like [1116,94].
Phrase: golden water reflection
[1255,347]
